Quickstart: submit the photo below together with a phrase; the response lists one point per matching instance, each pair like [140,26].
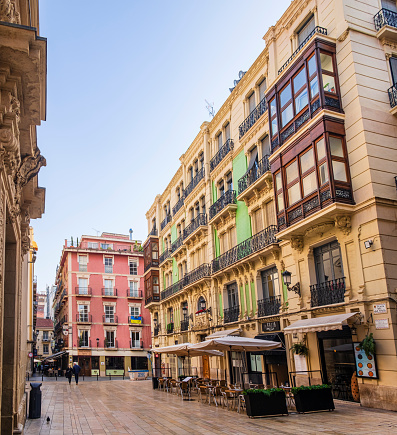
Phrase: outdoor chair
[174,386]
[222,383]
[227,397]
[161,384]
[214,393]
[203,393]
[241,402]
[185,390]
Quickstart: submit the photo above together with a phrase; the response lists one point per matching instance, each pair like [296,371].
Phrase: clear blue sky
[126,87]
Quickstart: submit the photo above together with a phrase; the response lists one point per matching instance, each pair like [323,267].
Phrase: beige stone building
[23,63]
[45,334]
[280,222]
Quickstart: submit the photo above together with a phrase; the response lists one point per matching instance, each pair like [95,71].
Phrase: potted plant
[299,348]
[368,345]
[261,402]
[313,398]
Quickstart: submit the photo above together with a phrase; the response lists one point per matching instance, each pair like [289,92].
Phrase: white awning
[244,344]
[183,349]
[224,333]
[316,324]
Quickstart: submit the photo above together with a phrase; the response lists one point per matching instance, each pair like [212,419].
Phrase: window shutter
[270,213]
[306,30]
[393,69]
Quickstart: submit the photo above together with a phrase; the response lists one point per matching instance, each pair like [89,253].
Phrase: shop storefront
[114,365]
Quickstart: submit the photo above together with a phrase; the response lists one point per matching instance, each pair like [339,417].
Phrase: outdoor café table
[235,391]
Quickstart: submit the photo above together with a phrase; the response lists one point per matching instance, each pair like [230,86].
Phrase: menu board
[365,365]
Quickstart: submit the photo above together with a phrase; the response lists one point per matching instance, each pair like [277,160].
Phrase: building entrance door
[206,366]
[85,364]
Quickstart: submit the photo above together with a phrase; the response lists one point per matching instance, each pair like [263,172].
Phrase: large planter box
[259,404]
[138,375]
[314,400]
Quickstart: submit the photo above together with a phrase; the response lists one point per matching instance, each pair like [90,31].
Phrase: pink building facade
[100,319]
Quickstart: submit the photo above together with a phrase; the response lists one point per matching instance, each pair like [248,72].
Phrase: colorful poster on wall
[365,365]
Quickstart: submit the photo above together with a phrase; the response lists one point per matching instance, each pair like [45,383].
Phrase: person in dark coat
[68,374]
[76,370]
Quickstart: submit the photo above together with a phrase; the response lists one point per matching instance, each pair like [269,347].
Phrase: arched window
[201,305]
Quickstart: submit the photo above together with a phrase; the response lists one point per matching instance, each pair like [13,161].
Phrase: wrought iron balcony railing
[153,232]
[170,290]
[170,328]
[250,120]
[253,174]
[85,291]
[393,96]
[203,271]
[269,306]
[110,344]
[150,299]
[231,314]
[83,318]
[132,293]
[198,177]
[229,197]
[199,220]
[109,292]
[166,254]
[221,154]
[317,29]
[177,244]
[385,17]
[84,343]
[255,243]
[109,319]
[177,206]
[328,292]
[136,344]
[165,221]
[184,325]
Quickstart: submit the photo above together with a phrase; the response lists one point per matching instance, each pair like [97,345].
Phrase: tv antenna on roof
[210,108]
[97,232]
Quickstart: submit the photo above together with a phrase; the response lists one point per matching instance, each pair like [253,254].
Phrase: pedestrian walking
[76,370]
[68,374]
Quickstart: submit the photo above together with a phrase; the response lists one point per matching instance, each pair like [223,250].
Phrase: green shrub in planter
[313,398]
[260,402]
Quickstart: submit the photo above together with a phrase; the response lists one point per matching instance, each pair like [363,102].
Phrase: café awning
[235,344]
[224,333]
[184,350]
[55,356]
[316,324]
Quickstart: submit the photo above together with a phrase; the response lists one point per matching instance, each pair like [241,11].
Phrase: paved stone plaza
[127,407]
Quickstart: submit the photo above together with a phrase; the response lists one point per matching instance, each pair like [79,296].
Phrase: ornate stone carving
[297,243]
[276,254]
[8,12]
[319,229]
[343,36]
[343,223]
[25,244]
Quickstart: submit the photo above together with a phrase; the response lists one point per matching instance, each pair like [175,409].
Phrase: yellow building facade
[280,222]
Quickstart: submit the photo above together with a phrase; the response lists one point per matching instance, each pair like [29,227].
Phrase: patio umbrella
[237,344]
[184,349]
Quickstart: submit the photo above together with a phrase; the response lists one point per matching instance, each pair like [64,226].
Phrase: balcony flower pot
[260,402]
[313,398]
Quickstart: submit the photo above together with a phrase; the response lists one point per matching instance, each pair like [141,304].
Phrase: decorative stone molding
[297,243]
[319,229]
[343,36]
[8,12]
[343,223]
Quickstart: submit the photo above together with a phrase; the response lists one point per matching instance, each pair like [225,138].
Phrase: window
[221,187]
[262,90]
[328,262]
[155,251]
[256,363]
[83,313]
[229,181]
[108,287]
[306,29]
[273,116]
[134,289]
[389,5]
[83,286]
[201,304]
[300,90]
[45,348]
[258,221]
[109,339]
[135,311]
[287,112]
[202,202]
[135,339]
[92,245]
[195,166]
[266,151]
[197,208]
[270,284]
[45,335]
[106,245]
[251,102]
[82,263]
[201,159]
[227,132]
[232,295]
[156,285]
[279,190]
[270,214]
[83,338]
[322,163]
[328,74]
[219,140]
[108,265]
[338,160]
[233,242]
[133,267]
[293,185]
[109,314]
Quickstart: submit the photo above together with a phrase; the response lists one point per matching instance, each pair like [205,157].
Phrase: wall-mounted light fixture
[287,281]
[368,243]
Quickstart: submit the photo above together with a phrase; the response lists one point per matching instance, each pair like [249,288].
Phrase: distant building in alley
[44,333]
[100,319]
[41,299]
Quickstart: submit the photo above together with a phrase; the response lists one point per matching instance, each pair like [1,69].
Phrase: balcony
[172,289]
[156,331]
[203,271]
[244,249]
[166,221]
[83,291]
[166,254]
[152,263]
[221,154]
[135,320]
[84,343]
[177,246]
[109,292]
[253,179]
[328,293]
[317,29]
[134,294]
[226,204]
[392,91]
[386,25]
[150,299]
[110,344]
[198,177]
[153,232]
[231,314]
[83,318]
[200,221]
[251,119]
[170,328]
[184,325]
[136,344]
[177,206]
[110,319]
[269,306]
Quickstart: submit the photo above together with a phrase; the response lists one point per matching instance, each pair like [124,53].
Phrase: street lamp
[287,281]
[184,311]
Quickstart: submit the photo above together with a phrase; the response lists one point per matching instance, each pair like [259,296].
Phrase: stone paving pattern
[114,407]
